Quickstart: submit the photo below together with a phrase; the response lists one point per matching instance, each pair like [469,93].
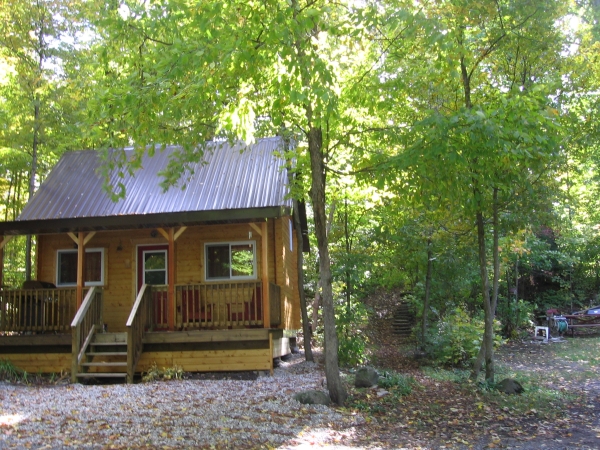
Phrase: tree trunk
[317,193]
[427,291]
[300,261]
[347,271]
[32,175]
[317,300]
[316,305]
[486,351]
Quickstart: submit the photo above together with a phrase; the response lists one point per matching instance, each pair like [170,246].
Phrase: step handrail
[83,327]
[139,319]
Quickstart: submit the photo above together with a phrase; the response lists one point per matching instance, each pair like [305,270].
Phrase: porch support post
[265,275]
[171,277]
[80,267]
[1,261]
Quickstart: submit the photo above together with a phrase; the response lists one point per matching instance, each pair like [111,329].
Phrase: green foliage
[455,375]
[456,339]
[8,372]
[350,323]
[515,316]
[398,383]
[164,374]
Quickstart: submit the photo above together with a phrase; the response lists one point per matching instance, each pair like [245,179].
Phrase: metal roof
[231,183]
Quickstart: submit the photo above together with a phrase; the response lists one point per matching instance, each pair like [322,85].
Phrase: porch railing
[234,304]
[86,322]
[37,310]
[231,304]
[139,320]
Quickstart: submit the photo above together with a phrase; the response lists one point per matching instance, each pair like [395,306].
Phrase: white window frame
[87,250]
[166,269]
[231,277]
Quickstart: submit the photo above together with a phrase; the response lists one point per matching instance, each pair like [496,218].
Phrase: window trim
[231,277]
[100,250]
[166,269]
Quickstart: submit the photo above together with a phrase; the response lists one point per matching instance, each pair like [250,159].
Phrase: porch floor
[153,337]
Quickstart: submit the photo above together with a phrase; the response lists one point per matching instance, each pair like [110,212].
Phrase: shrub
[401,384]
[456,339]
[166,373]
[515,316]
[9,372]
[351,338]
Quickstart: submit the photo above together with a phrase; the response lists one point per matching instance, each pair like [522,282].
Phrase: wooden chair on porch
[193,311]
[250,312]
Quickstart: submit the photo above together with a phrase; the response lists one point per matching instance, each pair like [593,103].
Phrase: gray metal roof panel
[228,177]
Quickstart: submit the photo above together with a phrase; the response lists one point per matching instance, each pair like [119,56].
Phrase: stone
[312,397]
[382,392]
[510,386]
[366,377]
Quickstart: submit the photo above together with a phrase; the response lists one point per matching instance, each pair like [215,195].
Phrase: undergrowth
[8,372]
[165,374]
[396,386]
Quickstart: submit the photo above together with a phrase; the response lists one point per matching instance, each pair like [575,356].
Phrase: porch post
[265,275]
[1,260]
[171,277]
[3,242]
[80,267]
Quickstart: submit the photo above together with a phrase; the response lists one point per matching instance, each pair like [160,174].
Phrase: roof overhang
[159,220]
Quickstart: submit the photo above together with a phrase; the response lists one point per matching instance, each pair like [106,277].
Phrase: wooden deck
[230,338]
[193,351]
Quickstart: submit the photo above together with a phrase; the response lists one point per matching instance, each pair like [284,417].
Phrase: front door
[152,269]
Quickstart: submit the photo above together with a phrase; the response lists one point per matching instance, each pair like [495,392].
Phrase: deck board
[36,340]
[181,337]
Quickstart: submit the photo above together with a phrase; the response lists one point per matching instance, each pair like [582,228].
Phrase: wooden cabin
[202,276]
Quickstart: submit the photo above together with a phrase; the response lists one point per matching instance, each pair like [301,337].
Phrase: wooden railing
[275,301]
[37,310]
[139,321]
[232,304]
[87,321]
[159,308]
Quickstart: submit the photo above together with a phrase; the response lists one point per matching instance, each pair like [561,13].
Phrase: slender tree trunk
[308,355]
[37,126]
[488,335]
[348,248]
[32,175]
[317,193]
[317,299]
[316,306]
[427,291]
[486,351]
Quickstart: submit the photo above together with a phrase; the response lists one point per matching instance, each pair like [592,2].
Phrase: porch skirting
[193,351]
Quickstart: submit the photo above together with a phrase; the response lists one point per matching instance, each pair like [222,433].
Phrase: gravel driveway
[175,414]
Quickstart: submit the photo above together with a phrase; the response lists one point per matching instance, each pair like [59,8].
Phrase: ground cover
[559,409]
[431,408]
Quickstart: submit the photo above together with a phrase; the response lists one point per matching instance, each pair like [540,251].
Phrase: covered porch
[46,320]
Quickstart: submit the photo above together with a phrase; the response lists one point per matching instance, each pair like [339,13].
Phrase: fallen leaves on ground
[450,414]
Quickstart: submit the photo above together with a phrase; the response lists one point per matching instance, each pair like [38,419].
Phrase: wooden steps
[106,357]
[403,321]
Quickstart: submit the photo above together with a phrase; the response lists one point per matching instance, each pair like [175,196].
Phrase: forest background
[447,149]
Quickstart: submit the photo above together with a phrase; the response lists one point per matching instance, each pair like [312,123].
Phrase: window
[155,267]
[230,260]
[66,267]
